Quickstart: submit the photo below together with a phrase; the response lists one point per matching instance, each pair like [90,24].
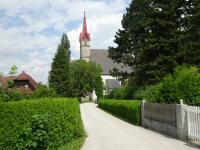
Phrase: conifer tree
[59,75]
[157,36]
[129,39]
[191,33]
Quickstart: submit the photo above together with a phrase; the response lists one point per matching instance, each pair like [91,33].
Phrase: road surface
[106,132]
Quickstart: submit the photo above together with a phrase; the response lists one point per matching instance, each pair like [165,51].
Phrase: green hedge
[126,109]
[39,124]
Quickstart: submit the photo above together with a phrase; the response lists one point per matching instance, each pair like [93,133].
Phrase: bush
[6,95]
[126,109]
[124,92]
[39,124]
[43,91]
[183,84]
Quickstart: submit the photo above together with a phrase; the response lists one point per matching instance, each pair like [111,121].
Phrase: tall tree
[191,32]
[59,75]
[152,40]
[129,39]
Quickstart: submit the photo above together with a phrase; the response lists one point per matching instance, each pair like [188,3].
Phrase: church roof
[100,56]
[84,35]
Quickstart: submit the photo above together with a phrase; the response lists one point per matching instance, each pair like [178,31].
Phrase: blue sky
[30,30]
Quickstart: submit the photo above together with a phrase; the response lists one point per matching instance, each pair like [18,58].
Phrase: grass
[74,145]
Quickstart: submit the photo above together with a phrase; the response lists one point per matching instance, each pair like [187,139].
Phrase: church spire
[84,23]
[84,36]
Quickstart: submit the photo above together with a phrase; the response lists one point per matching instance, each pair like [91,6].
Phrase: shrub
[43,91]
[39,124]
[6,95]
[183,84]
[37,135]
[124,92]
[126,109]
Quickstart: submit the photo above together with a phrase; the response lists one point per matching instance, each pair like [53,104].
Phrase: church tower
[85,42]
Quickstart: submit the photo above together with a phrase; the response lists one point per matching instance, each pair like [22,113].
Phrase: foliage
[127,109]
[43,91]
[53,122]
[59,76]
[74,145]
[125,92]
[156,37]
[183,84]
[13,70]
[191,34]
[9,95]
[37,135]
[1,75]
[86,76]
[11,83]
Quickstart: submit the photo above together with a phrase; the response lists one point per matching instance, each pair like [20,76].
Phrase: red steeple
[84,35]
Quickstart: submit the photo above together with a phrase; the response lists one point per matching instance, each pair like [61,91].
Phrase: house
[23,83]
[100,56]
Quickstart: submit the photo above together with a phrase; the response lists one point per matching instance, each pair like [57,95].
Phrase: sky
[30,30]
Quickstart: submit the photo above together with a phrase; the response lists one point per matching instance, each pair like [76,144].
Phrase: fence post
[142,112]
[180,120]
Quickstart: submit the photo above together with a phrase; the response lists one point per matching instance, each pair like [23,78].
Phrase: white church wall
[104,78]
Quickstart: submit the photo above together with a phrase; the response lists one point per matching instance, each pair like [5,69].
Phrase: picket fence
[178,120]
[193,123]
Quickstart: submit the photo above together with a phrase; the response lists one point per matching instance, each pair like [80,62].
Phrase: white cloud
[32,43]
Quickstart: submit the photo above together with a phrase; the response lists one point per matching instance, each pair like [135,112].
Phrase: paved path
[106,132]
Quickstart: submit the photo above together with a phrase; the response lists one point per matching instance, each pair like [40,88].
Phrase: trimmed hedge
[39,124]
[126,109]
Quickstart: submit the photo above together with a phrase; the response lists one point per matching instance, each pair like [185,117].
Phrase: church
[99,56]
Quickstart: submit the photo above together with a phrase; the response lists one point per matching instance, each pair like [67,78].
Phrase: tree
[1,75]
[86,77]
[156,38]
[131,37]
[59,75]
[1,84]
[191,33]
[13,70]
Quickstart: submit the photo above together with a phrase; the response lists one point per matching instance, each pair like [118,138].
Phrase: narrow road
[106,132]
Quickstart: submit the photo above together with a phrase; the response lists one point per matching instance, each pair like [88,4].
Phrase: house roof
[112,83]
[22,77]
[100,56]
[25,77]
[85,35]
[4,80]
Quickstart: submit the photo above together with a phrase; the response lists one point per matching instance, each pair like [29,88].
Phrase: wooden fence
[178,120]
[164,113]
[193,123]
